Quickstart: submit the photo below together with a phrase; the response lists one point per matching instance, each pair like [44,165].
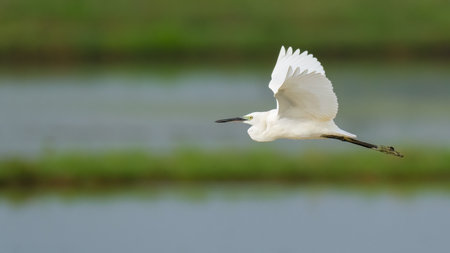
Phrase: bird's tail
[384,149]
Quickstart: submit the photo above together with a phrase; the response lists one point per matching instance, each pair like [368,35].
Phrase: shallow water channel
[229,218]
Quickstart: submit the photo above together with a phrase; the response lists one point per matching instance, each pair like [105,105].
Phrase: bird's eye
[250,117]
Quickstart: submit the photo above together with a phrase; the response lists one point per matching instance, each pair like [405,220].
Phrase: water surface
[233,218]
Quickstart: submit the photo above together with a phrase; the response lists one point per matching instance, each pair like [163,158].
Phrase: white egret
[306,105]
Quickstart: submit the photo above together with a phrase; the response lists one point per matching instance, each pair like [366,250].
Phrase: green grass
[97,30]
[111,168]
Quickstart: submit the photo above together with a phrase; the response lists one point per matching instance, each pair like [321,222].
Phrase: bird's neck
[258,131]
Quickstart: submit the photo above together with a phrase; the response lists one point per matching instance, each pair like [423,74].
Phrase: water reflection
[231,218]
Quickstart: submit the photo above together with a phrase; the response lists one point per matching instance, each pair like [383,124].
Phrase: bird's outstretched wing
[301,88]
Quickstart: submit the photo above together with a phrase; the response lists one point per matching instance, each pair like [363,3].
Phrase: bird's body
[272,127]
[306,104]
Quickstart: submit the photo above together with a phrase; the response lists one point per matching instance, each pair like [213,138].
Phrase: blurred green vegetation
[125,168]
[96,30]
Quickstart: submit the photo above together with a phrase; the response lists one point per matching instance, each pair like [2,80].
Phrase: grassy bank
[95,30]
[78,169]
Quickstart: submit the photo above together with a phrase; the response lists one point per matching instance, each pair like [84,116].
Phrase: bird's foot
[388,150]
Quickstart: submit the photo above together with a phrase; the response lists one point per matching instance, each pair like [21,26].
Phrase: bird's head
[258,122]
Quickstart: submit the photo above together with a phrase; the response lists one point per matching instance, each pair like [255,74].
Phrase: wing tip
[282,51]
[289,51]
[297,51]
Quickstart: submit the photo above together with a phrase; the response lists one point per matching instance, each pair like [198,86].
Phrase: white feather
[301,88]
[304,61]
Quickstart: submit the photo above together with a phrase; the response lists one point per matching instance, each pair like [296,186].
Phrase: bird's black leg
[384,149]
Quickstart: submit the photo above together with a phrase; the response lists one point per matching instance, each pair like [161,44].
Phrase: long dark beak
[230,120]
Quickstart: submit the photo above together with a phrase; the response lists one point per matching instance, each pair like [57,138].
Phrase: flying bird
[306,105]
